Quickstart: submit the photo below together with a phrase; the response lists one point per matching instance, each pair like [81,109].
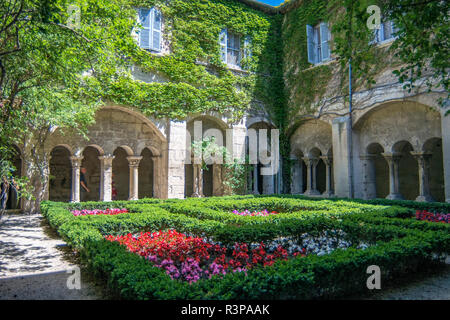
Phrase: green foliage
[399,245]
[422,41]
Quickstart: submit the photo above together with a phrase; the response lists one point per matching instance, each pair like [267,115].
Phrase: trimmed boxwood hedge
[400,244]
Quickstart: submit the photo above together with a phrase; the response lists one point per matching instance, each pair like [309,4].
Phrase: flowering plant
[96,212]
[433,217]
[263,213]
[192,258]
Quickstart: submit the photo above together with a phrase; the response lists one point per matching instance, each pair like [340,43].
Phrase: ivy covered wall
[197,80]
[308,86]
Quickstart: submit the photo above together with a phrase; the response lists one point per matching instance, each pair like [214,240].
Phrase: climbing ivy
[197,80]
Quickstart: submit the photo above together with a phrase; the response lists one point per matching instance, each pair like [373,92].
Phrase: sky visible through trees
[272,2]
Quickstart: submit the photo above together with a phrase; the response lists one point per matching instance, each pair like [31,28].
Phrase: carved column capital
[328,160]
[391,157]
[311,161]
[133,161]
[76,161]
[106,160]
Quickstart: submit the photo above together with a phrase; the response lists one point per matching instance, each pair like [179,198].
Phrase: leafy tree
[51,65]
[421,43]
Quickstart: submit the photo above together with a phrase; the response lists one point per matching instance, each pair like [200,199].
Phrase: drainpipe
[350,132]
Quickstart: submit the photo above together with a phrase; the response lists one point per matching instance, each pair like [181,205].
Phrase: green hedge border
[402,244]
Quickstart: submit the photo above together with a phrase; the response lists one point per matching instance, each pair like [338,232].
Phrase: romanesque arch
[311,143]
[112,153]
[200,182]
[258,182]
[407,133]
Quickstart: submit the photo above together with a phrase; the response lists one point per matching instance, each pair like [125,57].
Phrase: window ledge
[385,43]
[320,64]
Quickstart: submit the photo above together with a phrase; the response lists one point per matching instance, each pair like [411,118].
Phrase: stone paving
[34,262]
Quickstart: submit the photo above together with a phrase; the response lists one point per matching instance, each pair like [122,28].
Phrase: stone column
[106,177]
[255,179]
[76,165]
[197,181]
[157,192]
[341,128]
[393,160]
[297,176]
[176,137]
[311,165]
[328,167]
[133,163]
[423,160]
[445,127]
[369,181]
[217,180]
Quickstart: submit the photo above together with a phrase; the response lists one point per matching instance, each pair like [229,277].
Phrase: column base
[328,194]
[196,195]
[447,200]
[426,198]
[312,193]
[395,196]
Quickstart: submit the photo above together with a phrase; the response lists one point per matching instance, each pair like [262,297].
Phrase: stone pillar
[341,157]
[176,159]
[268,184]
[106,177]
[311,185]
[423,160]
[296,177]
[255,179]
[197,181]
[328,167]
[75,191]
[133,163]
[217,180]
[445,125]
[369,179]
[393,160]
[157,183]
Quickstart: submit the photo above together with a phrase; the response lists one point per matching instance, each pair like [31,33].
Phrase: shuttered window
[385,32]
[150,34]
[318,38]
[230,47]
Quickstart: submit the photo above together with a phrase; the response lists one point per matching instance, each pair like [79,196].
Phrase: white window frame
[152,29]
[224,48]
[318,43]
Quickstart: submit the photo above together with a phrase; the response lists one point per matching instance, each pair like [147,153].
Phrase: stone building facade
[400,149]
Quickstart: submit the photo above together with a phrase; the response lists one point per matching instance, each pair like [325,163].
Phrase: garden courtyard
[237,247]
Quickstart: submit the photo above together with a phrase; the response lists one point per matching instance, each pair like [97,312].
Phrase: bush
[399,244]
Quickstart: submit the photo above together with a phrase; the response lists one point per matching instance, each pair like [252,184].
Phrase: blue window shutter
[324,37]
[156,29]
[381,33]
[393,29]
[311,46]
[223,45]
[144,33]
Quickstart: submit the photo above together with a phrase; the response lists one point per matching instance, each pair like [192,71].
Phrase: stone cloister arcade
[398,153]
[124,150]
[401,150]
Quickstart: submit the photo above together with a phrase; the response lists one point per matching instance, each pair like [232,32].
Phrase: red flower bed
[433,217]
[190,259]
[96,212]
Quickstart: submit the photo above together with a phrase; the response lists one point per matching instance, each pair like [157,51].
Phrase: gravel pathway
[34,262]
